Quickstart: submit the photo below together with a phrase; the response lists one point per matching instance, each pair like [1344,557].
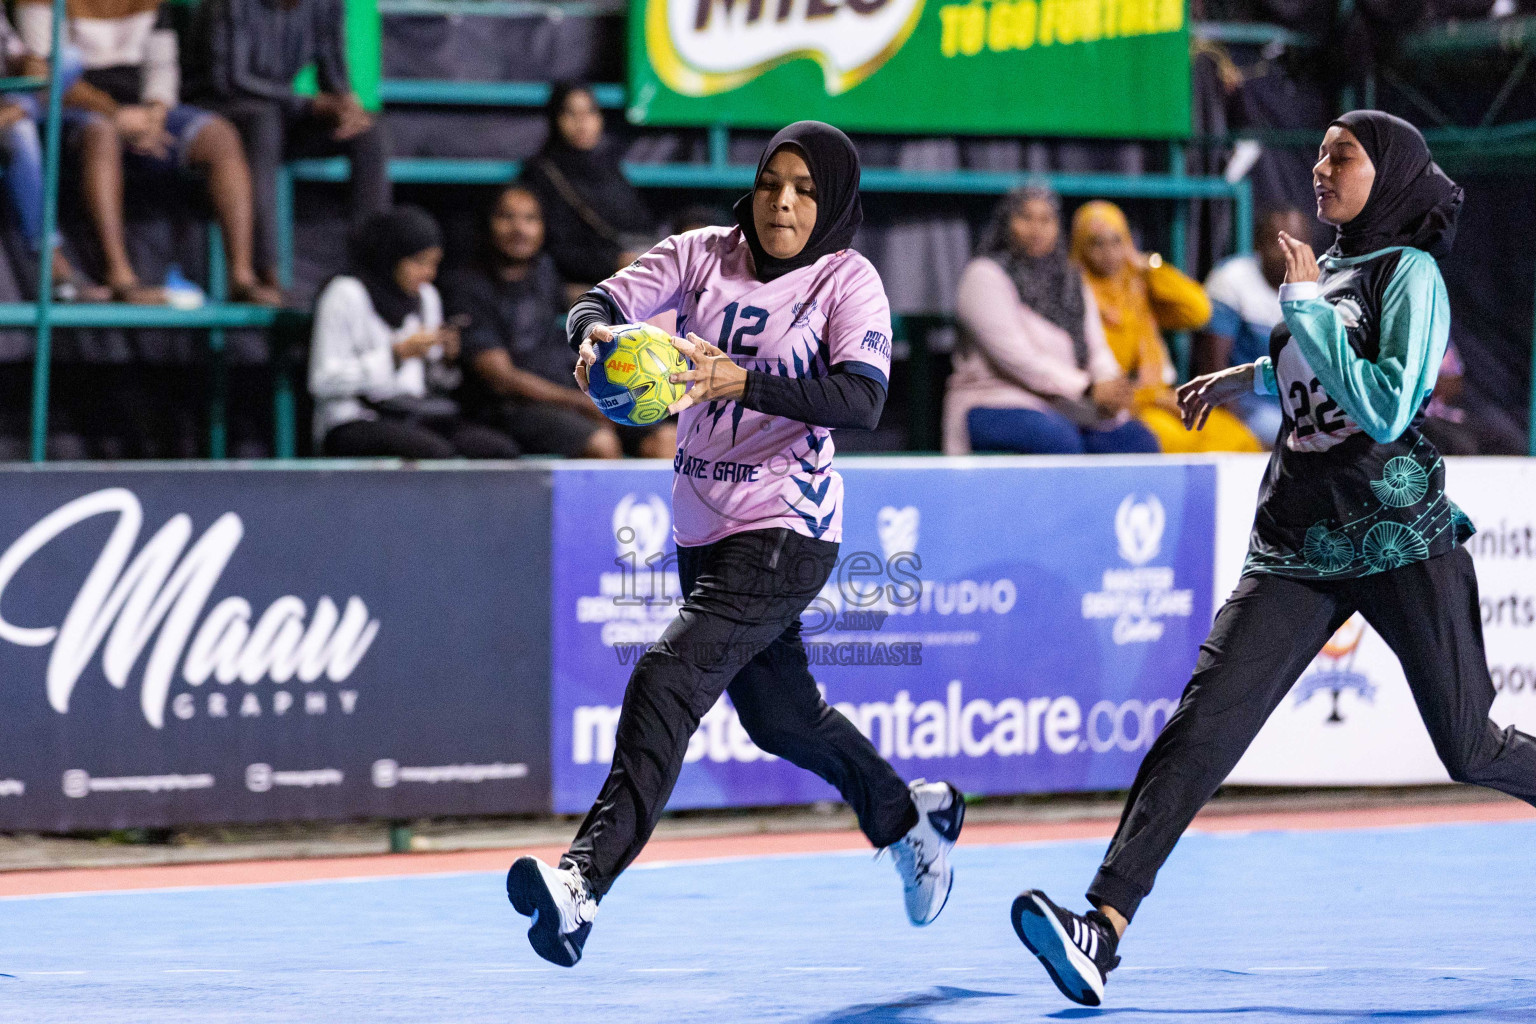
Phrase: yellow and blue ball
[629,383]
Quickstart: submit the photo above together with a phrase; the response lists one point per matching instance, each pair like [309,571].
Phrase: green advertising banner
[1106,68]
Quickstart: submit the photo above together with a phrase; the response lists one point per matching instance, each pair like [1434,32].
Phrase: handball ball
[629,382]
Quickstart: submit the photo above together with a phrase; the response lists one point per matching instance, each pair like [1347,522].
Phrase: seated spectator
[126,109]
[23,149]
[594,220]
[248,52]
[1245,307]
[1139,297]
[1033,373]
[518,367]
[380,362]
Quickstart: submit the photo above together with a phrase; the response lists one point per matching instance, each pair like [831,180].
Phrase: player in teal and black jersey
[1353,517]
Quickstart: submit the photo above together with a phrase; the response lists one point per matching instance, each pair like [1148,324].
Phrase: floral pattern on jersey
[1392,545]
[1327,550]
[808,362]
[1405,518]
[1403,482]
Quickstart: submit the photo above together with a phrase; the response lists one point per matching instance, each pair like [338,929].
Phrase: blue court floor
[1413,924]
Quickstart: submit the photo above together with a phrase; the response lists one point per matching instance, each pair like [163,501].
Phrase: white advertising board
[1351,719]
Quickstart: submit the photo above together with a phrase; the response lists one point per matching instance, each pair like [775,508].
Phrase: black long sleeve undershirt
[843,398]
[595,308]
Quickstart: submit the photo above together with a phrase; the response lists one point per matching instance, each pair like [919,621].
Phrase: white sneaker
[561,905]
[922,855]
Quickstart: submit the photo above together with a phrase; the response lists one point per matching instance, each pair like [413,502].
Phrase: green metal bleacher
[717,173]
[219,316]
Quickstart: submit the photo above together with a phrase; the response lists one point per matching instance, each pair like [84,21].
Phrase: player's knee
[1471,768]
[769,728]
[1470,762]
[769,737]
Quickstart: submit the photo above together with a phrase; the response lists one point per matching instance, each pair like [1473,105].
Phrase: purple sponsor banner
[1008,626]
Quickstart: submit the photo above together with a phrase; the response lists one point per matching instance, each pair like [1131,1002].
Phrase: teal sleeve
[1382,396]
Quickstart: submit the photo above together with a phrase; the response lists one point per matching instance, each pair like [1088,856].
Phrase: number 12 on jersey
[753,321]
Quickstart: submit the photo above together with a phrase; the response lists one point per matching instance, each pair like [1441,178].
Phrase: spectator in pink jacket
[1033,373]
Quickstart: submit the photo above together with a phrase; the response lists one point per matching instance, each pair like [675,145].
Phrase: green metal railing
[42,356]
[432,92]
[44,315]
[719,174]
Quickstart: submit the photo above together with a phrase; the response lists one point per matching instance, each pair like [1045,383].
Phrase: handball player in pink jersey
[802,345]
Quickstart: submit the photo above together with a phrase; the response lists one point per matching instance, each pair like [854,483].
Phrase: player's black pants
[737,631]
[1263,639]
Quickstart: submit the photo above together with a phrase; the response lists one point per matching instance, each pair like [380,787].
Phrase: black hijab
[577,164]
[1051,285]
[1412,201]
[597,174]
[834,165]
[379,245]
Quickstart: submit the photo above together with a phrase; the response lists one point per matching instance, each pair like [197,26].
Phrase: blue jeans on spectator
[1031,432]
[24,152]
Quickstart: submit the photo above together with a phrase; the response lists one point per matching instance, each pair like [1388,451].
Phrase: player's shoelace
[914,860]
[583,906]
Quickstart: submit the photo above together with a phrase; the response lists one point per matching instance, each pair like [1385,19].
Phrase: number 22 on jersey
[1320,423]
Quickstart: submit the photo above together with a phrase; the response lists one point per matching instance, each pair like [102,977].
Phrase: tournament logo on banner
[223,645]
[1009,627]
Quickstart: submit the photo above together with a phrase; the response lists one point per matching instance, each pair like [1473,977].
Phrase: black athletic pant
[737,631]
[1263,639]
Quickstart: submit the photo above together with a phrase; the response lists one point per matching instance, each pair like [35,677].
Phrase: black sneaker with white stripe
[1078,951]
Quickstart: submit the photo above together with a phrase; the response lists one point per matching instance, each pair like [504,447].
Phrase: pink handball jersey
[739,470]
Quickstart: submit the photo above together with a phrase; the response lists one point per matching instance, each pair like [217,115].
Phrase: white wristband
[1261,379]
[1299,291]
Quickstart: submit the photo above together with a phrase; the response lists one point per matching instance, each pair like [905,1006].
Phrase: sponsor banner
[1351,718]
[254,645]
[1116,68]
[1008,626]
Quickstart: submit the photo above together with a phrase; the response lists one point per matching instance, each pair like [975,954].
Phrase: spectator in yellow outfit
[1139,296]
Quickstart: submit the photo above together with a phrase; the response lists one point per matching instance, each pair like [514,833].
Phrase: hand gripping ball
[629,382]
